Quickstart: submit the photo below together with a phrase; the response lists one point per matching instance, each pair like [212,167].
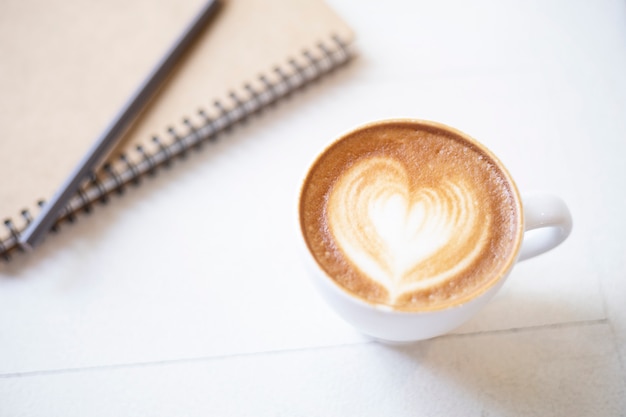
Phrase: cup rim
[505,269]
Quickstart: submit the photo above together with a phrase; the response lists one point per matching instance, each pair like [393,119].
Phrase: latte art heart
[402,236]
[410,215]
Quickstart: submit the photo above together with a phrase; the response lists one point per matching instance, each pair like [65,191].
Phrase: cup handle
[548,223]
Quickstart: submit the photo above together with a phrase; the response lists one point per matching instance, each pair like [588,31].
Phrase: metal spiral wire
[124,170]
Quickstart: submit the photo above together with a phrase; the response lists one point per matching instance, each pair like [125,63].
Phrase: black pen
[40,226]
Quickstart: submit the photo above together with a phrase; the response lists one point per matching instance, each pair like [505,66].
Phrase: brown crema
[410,214]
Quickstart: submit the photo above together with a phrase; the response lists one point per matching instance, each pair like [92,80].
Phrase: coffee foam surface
[409,216]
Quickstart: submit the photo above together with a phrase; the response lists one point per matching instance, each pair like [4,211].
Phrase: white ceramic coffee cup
[547,216]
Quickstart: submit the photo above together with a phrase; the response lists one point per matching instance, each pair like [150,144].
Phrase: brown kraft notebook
[66,68]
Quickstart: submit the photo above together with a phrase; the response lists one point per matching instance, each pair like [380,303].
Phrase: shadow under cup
[410,227]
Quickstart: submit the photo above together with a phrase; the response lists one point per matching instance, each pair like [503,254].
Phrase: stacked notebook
[65,69]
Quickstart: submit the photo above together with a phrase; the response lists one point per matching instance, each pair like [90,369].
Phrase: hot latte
[410,214]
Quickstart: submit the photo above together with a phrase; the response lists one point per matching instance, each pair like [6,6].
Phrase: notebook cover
[65,69]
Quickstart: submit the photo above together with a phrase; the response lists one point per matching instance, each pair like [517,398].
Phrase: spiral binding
[117,174]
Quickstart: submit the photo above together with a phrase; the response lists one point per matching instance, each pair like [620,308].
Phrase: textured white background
[187,296]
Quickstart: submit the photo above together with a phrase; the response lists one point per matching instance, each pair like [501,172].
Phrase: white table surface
[188,297]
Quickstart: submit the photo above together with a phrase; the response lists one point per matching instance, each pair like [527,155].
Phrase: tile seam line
[613,332]
[205,359]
